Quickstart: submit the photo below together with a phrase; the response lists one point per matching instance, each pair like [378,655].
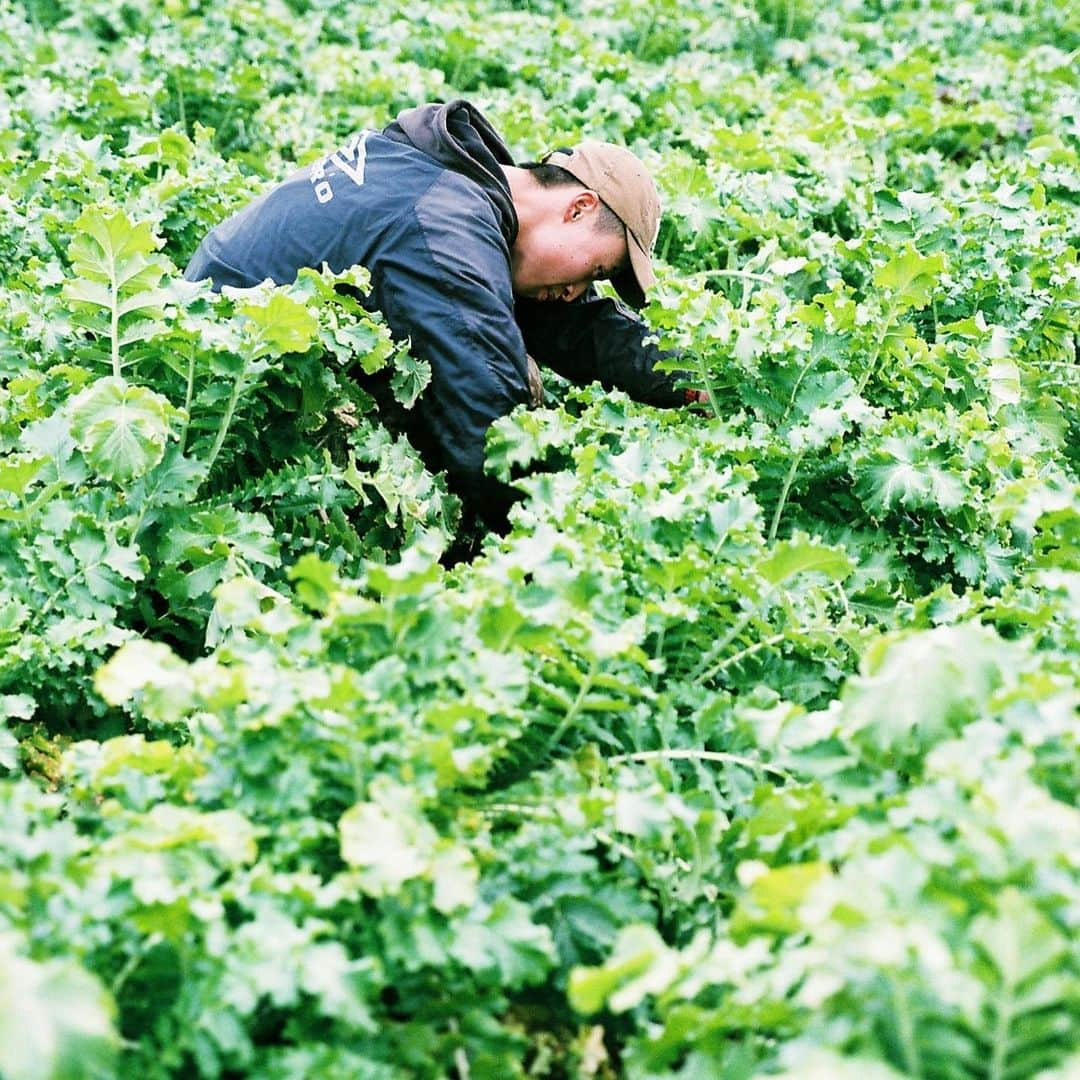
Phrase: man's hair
[549,176]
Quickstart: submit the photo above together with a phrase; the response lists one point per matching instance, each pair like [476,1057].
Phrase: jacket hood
[459,137]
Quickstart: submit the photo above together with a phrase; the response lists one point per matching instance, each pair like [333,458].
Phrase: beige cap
[625,185]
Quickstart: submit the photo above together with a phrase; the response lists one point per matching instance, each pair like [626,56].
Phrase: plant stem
[226,420]
[639,50]
[784,491]
[1001,1035]
[29,509]
[748,275]
[461,1059]
[624,850]
[180,100]
[667,244]
[729,637]
[843,598]
[807,367]
[709,389]
[886,327]
[521,809]
[742,654]
[133,962]
[188,393]
[906,1031]
[572,712]
[658,653]
[699,755]
[114,321]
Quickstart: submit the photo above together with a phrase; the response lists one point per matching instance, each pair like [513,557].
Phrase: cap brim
[633,282]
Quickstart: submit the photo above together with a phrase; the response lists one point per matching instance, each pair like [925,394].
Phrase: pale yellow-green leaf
[136,665]
[56,1020]
[386,848]
[108,246]
[1019,939]
[455,876]
[121,429]
[640,964]
[281,325]
[910,277]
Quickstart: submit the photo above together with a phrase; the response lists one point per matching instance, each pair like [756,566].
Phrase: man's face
[563,254]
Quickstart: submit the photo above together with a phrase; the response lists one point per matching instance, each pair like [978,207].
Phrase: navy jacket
[424,206]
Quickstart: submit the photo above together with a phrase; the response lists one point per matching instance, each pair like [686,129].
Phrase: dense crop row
[751,750]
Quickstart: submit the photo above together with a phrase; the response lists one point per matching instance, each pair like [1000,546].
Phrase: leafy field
[750,751]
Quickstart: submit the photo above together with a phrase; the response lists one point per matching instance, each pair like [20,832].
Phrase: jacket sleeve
[597,338]
[444,284]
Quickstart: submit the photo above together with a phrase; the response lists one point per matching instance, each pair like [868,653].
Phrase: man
[477,260]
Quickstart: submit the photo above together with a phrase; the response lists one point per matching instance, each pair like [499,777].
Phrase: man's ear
[581,205]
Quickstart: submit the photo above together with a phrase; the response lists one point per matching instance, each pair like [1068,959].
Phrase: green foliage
[56,1020]
[121,430]
[749,751]
[116,276]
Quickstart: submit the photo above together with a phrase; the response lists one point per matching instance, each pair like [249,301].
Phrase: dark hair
[550,176]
